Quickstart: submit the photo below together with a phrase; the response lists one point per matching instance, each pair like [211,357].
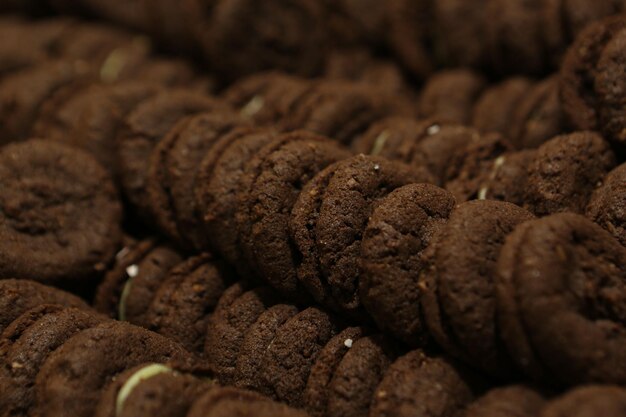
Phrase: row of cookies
[59,357]
[507,38]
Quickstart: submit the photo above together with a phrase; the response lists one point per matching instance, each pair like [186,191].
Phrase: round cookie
[328,220]
[144,127]
[151,390]
[419,385]
[266,98]
[128,288]
[287,362]
[249,368]
[607,205]
[274,179]
[386,137]
[234,53]
[493,112]
[228,326]
[183,303]
[538,116]
[458,294]
[19,295]
[588,401]
[506,180]
[398,232]
[316,393]
[559,298]
[27,343]
[450,95]
[508,401]
[565,171]
[173,170]
[23,93]
[73,376]
[217,186]
[60,214]
[357,376]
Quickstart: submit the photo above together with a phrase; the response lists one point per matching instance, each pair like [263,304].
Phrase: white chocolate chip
[348,343]
[253,106]
[482,193]
[433,130]
[376,167]
[379,143]
[132,271]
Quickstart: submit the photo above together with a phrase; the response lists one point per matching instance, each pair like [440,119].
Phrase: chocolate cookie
[607,206]
[217,186]
[266,98]
[228,326]
[144,127]
[60,214]
[419,385]
[389,136]
[458,294]
[559,294]
[151,389]
[493,112]
[565,171]
[19,295]
[357,376]
[509,401]
[328,221]
[181,306]
[250,365]
[287,362]
[591,83]
[268,190]
[588,401]
[73,376]
[397,233]
[450,95]
[23,93]
[128,288]
[26,344]
[173,169]
[316,393]
[506,179]
[538,116]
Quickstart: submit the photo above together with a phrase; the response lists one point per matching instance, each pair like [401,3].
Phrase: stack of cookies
[400,208]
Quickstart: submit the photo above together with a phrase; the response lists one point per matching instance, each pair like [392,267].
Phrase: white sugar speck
[132,271]
[348,343]
[433,130]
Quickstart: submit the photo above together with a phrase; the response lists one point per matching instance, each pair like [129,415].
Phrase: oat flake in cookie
[59,213]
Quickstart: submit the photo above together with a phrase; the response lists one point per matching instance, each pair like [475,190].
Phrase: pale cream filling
[138,377]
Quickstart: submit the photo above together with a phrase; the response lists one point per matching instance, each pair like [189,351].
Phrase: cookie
[144,127]
[151,389]
[287,362]
[357,376]
[228,326]
[588,401]
[493,111]
[328,220]
[73,376]
[419,385]
[172,174]
[565,171]
[574,336]
[539,115]
[19,295]
[235,53]
[250,365]
[458,294]
[591,87]
[399,230]
[266,98]
[506,179]
[217,188]
[509,401]
[183,303]
[267,192]
[129,287]
[26,344]
[60,214]
[316,393]
[23,93]
[387,137]
[450,95]
[607,205]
